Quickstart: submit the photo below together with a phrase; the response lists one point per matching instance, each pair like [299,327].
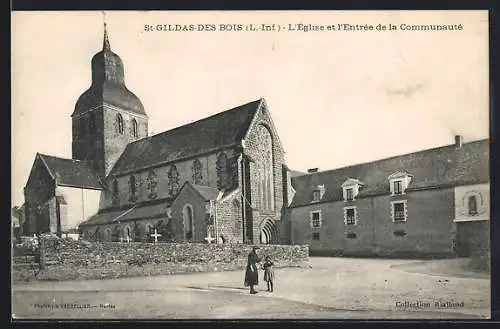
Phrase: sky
[337,98]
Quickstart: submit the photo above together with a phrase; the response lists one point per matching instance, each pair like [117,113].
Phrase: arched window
[96,235]
[117,234]
[115,194]
[134,128]
[222,172]
[173,180]
[197,172]
[472,205]
[152,182]
[147,232]
[237,218]
[119,123]
[265,168]
[127,233]
[107,235]
[133,188]
[188,215]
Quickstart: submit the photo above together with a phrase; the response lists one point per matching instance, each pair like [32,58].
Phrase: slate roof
[221,130]
[71,172]
[433,168]
[145,211]
[207,192]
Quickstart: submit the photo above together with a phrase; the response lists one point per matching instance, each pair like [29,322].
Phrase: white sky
[336,98]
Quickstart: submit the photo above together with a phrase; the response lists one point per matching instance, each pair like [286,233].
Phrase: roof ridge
[61,158]
[197,121]
[392,157]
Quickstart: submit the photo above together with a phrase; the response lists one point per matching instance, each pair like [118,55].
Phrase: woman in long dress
[252,273]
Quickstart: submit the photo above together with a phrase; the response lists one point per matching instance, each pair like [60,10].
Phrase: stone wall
[66,259]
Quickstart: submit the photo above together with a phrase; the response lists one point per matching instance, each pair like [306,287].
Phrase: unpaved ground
[332,288]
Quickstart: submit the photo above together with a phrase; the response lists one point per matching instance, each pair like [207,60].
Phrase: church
[219,179]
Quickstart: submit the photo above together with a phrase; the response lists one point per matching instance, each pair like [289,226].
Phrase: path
[332,288]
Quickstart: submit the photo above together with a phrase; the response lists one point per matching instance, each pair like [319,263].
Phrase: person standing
[252,273]
[268,273]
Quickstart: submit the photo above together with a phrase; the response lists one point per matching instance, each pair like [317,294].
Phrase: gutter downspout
[244,193]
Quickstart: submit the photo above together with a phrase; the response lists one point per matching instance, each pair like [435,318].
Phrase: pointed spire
[105,43]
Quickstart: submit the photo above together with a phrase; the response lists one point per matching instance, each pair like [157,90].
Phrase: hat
[255,247]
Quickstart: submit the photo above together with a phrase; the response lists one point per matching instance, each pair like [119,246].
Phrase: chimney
[312,170]
[459,140]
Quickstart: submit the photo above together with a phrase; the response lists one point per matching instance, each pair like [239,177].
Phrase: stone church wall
[252,142]
[66,259]
[39,189]
[185,170]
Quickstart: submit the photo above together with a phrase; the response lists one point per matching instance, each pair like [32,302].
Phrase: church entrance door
[268,233]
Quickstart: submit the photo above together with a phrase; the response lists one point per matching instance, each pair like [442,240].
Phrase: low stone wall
[67,259]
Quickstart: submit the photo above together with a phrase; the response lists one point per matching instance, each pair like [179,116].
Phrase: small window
[349,194]
[315,236]
[316,196]
[115,194]
[134,128]
[119,124]
[350,216]
[399,211]
[316,219]
[398,187]
[472,205]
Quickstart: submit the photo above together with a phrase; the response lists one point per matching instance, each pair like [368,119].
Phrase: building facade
[418,203]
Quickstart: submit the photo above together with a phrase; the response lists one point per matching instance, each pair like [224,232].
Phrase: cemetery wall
[67,259]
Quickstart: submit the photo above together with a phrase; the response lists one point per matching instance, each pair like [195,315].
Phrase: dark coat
[268,271]
[252,273]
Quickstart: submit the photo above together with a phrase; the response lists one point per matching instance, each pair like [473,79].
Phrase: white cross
[209,238]
[156,235]
[128,239]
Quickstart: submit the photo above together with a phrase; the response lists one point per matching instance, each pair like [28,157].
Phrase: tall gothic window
[119,123]
[265,168]
[197,172]
[152,182]
[173,180]
[135,132]
[472,205]
[115,196]
[237,218]
[188,221]
[133,188]
[222,171]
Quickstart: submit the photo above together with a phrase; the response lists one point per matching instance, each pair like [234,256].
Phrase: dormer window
[399,182]
[351,189]
[318,193]
[397,186]
[349,194]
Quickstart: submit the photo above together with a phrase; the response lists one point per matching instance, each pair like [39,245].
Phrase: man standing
[252,273]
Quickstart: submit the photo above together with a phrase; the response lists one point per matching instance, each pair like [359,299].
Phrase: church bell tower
[107,115]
